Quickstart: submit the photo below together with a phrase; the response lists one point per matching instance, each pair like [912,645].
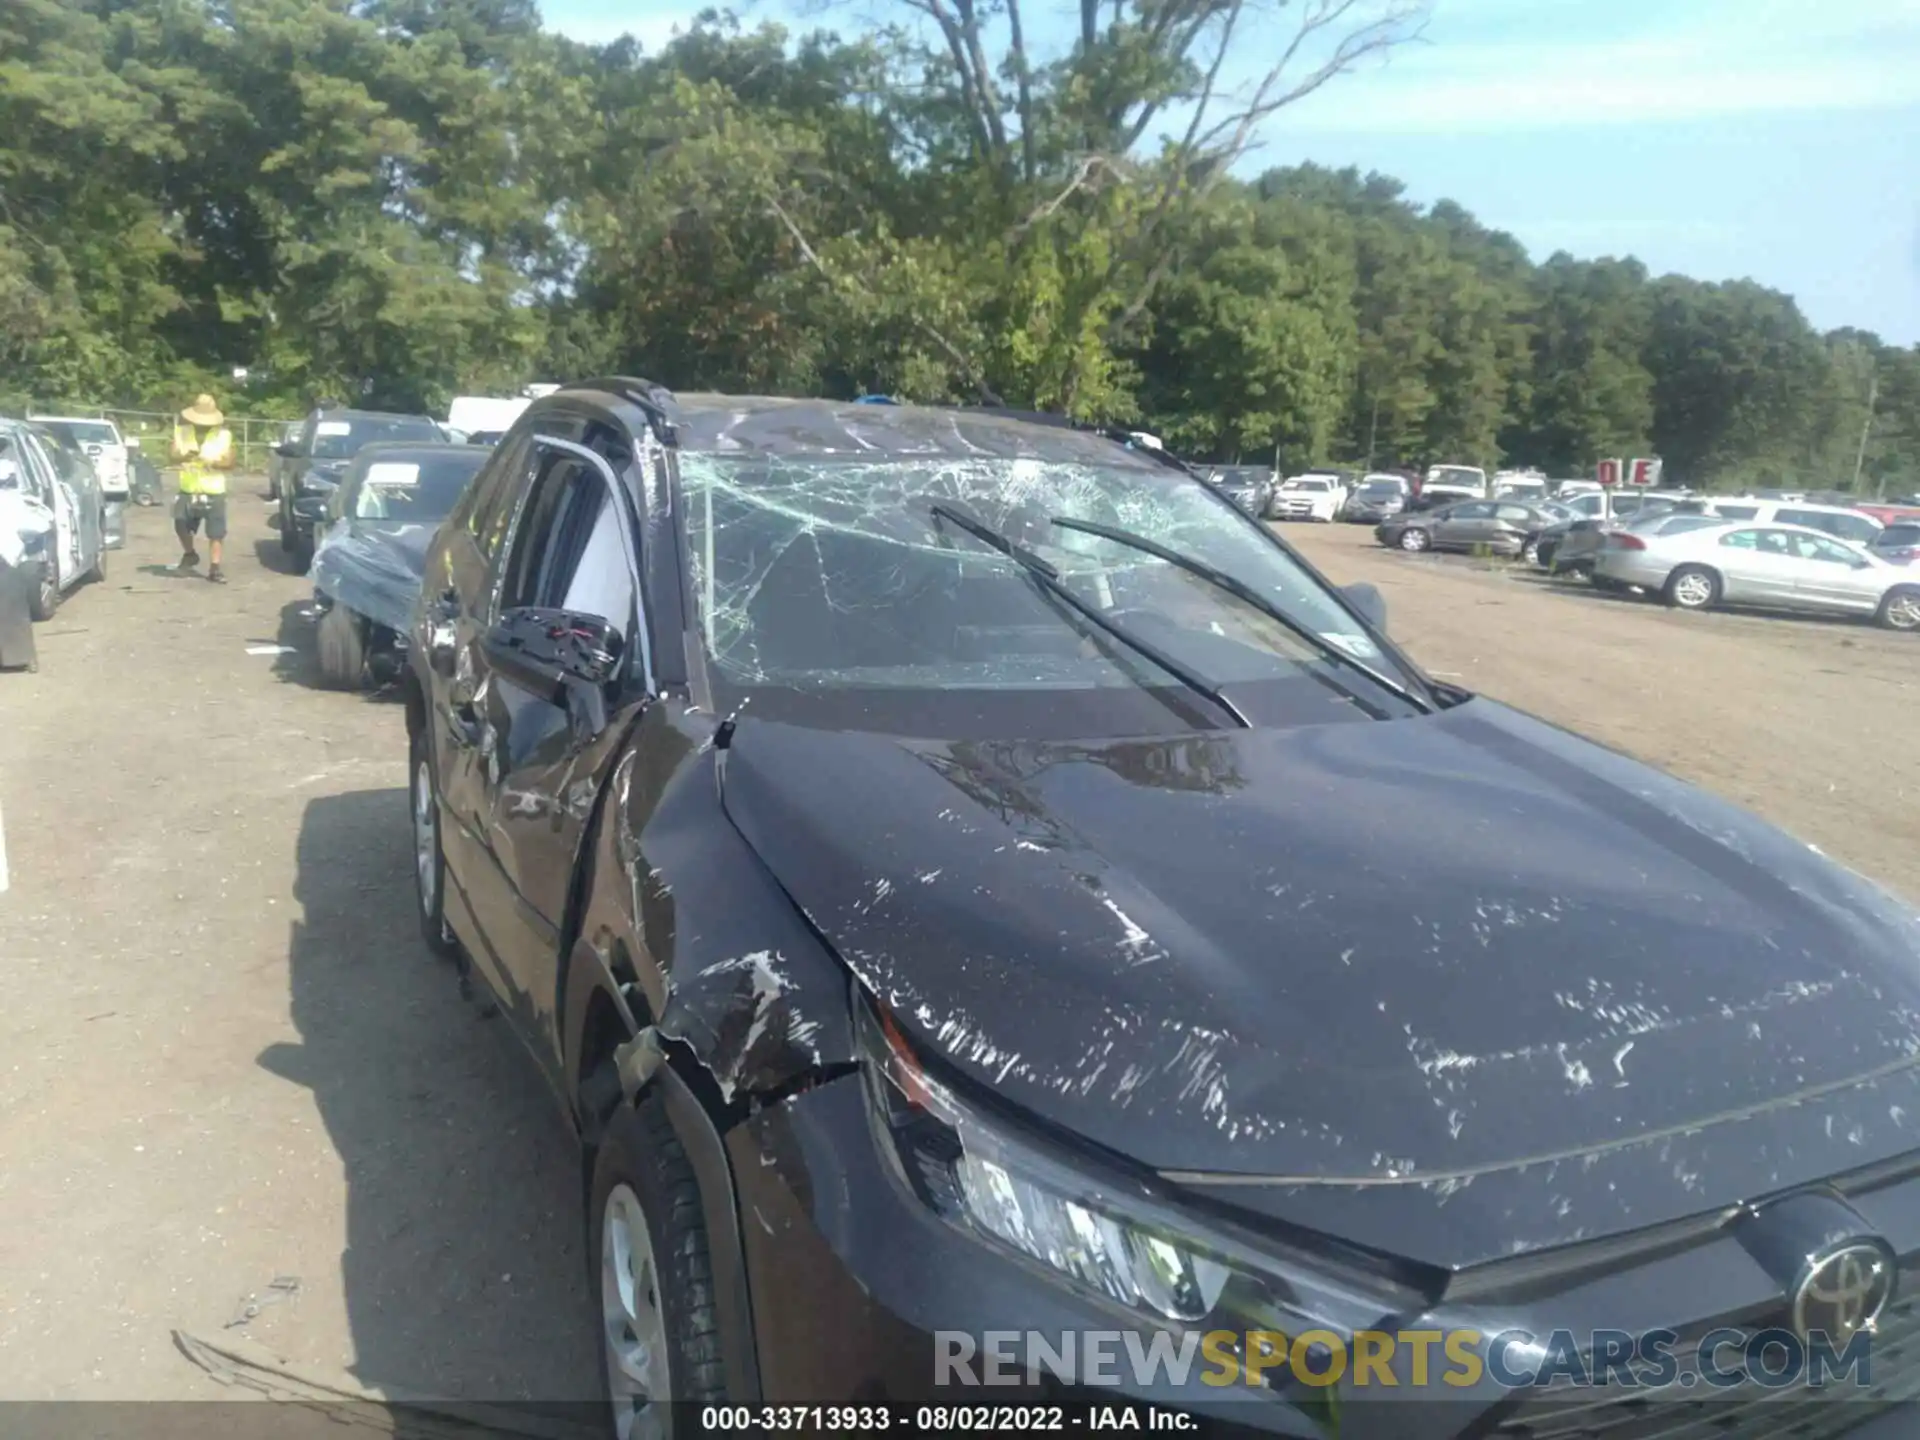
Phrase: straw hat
[203,412]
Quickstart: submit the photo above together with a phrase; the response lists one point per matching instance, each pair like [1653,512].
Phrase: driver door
[543,760]
[43,483]
[1463,526]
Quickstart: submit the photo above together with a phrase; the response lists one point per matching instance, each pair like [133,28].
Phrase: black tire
[430,907]
[1415,540]
[289,535]
[640,1156]
[98,574]
[1899,609]
[45,600]
[1684,590]
[342,641]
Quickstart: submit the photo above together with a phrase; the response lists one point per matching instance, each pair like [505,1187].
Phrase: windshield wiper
[1046,575]
[1240,590]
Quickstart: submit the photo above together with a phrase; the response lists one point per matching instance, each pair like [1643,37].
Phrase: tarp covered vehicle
[367,567]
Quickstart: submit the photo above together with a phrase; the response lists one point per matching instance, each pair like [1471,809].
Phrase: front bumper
[860,1293]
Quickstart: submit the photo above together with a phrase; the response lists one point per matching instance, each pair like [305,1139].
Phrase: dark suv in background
[315,461]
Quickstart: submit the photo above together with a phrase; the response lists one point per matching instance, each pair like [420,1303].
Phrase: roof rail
[653,398]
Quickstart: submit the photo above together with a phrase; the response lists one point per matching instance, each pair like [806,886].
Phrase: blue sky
[1771,139]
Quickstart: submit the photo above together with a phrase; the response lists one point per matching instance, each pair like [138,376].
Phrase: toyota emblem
[1843,1290]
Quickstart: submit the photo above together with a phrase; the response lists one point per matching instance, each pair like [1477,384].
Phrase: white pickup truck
[1455,482]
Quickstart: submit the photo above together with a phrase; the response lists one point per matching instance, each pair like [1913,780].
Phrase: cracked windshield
[816,717]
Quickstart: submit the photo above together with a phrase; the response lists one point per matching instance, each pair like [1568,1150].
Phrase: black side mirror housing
[287,450]
[1368,600]
[566,658]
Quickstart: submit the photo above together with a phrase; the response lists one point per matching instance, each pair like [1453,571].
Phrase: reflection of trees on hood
[1003,776]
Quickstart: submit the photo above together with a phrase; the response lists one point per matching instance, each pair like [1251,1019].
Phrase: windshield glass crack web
[834,570]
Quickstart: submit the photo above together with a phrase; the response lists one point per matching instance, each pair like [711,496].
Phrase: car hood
[1361,953]
[374,568]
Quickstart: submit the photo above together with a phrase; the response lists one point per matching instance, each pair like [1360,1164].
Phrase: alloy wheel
[633,1324]
[1693,590]
[426,838]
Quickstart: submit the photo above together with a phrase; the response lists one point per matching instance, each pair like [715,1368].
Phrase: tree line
[394,201]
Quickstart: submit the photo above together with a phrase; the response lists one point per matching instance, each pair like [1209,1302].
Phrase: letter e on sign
[1644,472]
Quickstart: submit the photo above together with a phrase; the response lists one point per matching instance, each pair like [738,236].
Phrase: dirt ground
[229,1062]
[1809,722]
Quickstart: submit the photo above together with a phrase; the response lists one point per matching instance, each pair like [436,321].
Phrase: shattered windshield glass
[820,570]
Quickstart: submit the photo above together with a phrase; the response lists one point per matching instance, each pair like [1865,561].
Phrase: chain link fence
[151,431]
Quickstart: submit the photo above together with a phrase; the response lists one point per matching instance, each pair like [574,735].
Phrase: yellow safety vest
[200,474]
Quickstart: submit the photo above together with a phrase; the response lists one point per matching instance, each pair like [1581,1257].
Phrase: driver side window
[566,552]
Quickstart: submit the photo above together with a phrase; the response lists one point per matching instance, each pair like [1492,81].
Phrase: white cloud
[1761,56]
[597,22]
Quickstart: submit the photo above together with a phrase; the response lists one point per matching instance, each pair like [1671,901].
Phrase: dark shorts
[190,510]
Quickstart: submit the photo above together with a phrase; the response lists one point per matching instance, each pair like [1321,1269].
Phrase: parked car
[1461,482]
[279,457]
[776,766]
[318,460]
[1591,514]
[1377,497]
[73,547]
[1501,527]
[1898,543]
[1308,497]
[101,442]
[1841,522]
[367,565]
[1248,486]
[1781,567]
[1581,543]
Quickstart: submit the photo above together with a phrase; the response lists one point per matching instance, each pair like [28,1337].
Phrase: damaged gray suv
[962,875]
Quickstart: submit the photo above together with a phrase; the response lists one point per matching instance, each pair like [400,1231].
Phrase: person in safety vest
[203,446]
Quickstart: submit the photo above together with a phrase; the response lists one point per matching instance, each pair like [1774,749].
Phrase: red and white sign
[1608,473]
[1643,472]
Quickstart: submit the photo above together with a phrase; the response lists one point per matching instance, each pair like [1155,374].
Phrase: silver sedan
[1775,567]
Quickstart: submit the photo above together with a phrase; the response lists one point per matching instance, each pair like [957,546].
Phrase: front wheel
[342,640]
[1900,610]
[46,595]
[659,1320]
[429,860]
[1692,587]
[1415,539]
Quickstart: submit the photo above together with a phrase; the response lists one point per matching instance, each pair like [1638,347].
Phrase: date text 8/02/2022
[939,1419]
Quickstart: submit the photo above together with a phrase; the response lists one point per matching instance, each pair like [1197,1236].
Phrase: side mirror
[566,658]
[287,450]
[1371,604]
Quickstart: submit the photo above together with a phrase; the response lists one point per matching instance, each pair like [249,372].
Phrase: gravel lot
[229,1061]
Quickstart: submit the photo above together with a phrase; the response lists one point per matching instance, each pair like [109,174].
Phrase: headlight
[1113,1236]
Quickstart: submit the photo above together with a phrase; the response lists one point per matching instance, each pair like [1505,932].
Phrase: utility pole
[1866,429]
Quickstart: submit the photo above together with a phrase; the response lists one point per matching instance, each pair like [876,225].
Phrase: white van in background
[101,441]
[486,415]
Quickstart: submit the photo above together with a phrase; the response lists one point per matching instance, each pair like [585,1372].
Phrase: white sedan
[1775,567]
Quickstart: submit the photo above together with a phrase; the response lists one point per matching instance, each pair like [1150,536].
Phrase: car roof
[340,412]
[777,425]
[72,420]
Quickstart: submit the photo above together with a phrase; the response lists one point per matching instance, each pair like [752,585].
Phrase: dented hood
[1356,952]
[374,568]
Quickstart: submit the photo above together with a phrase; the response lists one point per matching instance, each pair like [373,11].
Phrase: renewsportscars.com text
[1405,1359]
